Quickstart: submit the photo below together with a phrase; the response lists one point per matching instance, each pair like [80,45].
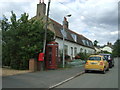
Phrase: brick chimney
[41,9]
[109,44]
[65,22]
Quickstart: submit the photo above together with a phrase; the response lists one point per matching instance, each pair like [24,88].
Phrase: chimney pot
[65,22]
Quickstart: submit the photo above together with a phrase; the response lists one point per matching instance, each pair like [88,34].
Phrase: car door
[105,62]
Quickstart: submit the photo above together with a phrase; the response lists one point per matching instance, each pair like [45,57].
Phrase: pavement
[42,79]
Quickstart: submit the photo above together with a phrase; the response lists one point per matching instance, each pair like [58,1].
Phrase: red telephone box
[52,55]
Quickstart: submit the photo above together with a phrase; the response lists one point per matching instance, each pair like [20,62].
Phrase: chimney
[109,44]
[41,9]
[65,22]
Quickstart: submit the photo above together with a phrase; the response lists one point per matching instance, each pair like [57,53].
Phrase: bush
[83,56]
[67,57]
[77,57]
[26,41]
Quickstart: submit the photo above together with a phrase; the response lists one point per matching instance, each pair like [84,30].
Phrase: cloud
[95,19]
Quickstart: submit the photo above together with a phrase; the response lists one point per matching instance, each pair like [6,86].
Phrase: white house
[97,49]
[74,42]
[107,47]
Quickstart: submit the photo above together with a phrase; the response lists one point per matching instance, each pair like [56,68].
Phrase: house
[107,47]
[74,42]
[97,49]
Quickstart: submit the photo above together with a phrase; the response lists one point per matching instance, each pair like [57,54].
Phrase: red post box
[52,55]
[41,57]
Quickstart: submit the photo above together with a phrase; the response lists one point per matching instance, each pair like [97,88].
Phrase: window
[95,58]
[75,51]
[84,42]
[85,51]
[74,37]
[81,50]
[88,43]
[64,33]
[66,49]
[71,51]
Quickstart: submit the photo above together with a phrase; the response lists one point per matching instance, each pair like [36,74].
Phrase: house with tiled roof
[108,47]
[74,42]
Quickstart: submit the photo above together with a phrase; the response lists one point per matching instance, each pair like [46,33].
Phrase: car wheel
[108,69]
[103,72]
[110,66]
[86,71]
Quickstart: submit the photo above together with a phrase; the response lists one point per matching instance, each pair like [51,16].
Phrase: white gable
[107,48]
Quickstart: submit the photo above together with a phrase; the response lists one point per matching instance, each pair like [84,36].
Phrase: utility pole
[46,24]
[64,39]
[45,37]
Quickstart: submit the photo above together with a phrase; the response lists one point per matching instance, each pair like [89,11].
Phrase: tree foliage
[22,40]
[83,56]
[95,43]
[116,49]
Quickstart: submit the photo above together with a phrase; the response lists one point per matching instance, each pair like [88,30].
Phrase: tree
[22,40]
[95,43]
[116,48]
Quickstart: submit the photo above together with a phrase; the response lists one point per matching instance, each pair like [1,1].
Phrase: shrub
[83,56]
[26,41]
[67,57]
[77,57]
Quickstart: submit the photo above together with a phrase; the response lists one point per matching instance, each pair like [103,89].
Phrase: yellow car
[96,63]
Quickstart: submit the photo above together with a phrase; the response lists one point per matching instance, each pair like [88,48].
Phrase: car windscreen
[95,58]
[107,57]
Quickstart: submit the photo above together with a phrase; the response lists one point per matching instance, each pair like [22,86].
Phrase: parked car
[96,63]
[109,58]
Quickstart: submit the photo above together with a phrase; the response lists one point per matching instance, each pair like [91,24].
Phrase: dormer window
[84,42]
[74,36]
[88,43]
[64,33]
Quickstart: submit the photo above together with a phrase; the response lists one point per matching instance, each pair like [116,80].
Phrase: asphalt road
[95,79]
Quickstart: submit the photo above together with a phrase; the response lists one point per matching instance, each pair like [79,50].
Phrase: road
[95,79]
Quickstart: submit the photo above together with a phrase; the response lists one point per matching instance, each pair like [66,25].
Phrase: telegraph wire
[81,14]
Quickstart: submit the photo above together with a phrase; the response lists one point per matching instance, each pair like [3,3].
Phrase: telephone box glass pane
[49,55]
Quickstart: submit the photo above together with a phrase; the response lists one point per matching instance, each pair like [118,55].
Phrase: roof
[95,56]
[107,46]
[80,39]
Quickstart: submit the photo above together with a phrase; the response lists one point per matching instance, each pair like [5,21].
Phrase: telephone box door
[52,55]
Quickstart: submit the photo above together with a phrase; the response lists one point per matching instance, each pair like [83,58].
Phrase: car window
[107,57]
[95,58]
[104,58]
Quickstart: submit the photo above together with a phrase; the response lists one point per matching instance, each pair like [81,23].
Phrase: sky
[94,19]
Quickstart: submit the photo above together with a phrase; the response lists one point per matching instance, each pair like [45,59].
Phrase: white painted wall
[106,48]
[70,44]
[97,49]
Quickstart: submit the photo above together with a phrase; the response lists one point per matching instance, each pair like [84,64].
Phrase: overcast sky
[94,19]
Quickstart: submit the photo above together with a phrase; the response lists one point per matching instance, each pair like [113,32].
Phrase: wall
[106,48]
[70,44]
